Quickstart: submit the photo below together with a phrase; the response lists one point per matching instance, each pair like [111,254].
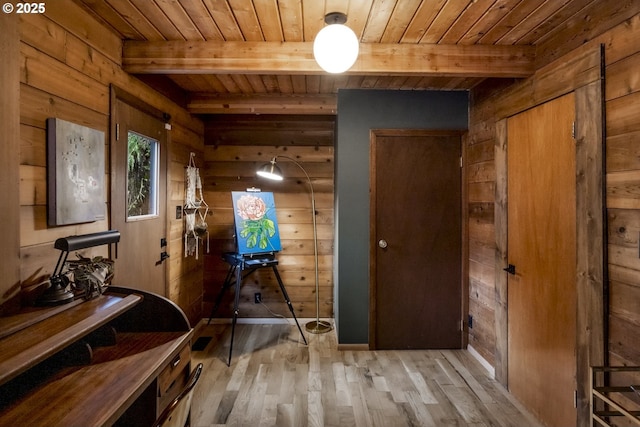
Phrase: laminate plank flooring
[276,380]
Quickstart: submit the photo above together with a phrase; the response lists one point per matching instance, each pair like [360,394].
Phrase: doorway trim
[464,253]
[121,94]
[590,234]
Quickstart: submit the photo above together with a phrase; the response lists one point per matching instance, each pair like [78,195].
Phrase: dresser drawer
[178,366]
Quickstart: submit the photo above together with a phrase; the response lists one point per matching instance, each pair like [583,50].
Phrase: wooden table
[118,359]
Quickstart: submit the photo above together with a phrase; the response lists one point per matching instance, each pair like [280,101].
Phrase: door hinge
[575,398]
[573,130]
[460,161]
[117,131]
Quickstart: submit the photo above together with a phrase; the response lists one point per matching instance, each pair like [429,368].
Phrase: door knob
[382,243]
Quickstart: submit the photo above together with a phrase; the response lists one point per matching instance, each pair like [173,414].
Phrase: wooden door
[542,247]
[138,198]
[416,267]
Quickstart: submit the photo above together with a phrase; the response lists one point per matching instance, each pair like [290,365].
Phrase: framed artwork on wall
[256,224]
[75,173]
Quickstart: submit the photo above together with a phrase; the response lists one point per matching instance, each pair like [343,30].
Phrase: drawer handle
[175,362]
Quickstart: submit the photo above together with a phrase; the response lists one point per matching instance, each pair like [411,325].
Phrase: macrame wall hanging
[195,211]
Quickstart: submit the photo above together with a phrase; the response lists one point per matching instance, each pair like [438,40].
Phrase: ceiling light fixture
[336,45]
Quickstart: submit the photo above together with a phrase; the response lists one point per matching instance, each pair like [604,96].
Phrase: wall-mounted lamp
[336,46]
[272,171]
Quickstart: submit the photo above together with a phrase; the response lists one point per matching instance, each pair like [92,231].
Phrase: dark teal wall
[359,111]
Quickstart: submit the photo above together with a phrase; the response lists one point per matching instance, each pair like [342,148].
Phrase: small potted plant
[90,275]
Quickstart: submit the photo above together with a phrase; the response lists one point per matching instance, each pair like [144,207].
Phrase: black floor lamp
[272,171]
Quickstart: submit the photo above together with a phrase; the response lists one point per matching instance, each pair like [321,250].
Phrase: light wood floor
[275,380]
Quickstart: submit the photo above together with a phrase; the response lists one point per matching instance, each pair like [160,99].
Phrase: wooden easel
[240,267]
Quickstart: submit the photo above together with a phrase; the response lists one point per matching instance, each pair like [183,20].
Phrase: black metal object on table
[240,267]
[57,293]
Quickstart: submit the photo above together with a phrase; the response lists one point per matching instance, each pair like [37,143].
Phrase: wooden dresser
[118,359]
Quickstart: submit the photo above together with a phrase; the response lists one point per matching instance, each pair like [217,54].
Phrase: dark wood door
[542,246]
[416,268]
[138,198]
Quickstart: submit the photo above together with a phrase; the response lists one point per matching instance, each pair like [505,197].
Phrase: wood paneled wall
[9,160]
[622,96]
[481,185]
[236,147]
[68,62]
[622,109]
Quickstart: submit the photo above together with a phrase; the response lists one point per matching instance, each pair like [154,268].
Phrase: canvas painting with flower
[255,222]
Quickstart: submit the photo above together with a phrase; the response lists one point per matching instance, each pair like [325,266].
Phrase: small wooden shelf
[30,316]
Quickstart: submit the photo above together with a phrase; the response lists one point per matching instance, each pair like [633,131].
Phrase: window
[143,155]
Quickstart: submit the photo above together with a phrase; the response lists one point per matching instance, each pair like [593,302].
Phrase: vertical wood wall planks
[10,156]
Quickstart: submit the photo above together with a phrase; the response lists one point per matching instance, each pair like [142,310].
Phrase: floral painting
[256,223]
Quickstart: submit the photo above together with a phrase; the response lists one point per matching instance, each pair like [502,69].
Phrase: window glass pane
[142,176]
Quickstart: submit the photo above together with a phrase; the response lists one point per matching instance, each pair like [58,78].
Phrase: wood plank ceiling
[255,56]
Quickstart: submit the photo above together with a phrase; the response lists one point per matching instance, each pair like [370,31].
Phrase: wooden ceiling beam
[215,57]
[308,104]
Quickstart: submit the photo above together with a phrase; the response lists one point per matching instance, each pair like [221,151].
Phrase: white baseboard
[482,360]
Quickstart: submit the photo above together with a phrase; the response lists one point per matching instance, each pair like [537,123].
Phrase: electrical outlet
[257,298]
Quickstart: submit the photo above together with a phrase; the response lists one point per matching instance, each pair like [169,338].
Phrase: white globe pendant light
[336,46]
